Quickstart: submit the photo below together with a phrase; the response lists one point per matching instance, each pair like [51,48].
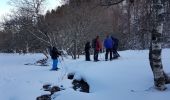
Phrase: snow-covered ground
[126,78]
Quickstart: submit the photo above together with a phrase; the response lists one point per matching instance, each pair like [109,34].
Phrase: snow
[126,78]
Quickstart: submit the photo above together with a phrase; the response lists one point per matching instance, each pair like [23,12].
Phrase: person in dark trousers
[108,44]
[97,47]
[87,51]
[54,55]
[115,47]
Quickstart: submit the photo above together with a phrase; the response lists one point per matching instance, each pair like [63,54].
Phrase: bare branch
[39,37]
[109,2]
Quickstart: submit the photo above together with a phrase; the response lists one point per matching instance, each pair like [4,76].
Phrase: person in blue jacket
[108,44]
[54,55]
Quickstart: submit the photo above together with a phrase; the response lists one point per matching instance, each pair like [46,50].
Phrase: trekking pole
[63,68]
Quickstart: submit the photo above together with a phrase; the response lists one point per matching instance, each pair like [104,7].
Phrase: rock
[47,87]
[80,85]
[70,76]
[44,97]
[54,89]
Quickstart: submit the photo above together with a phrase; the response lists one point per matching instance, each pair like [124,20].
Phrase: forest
[71,25]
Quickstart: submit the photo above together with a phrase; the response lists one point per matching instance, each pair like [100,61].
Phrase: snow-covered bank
[126,78]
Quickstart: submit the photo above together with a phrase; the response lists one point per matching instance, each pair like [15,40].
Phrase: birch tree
[160,77]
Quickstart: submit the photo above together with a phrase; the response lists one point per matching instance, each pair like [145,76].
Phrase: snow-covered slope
[126,78]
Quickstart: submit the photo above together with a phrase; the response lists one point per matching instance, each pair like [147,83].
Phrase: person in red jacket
[97,47]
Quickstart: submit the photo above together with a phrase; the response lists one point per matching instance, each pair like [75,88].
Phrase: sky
[5,7]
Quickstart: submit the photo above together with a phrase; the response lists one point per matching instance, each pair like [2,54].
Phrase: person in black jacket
[115,47]
[54,55]
[87,51]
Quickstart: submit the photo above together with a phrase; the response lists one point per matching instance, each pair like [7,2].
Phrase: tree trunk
[27,47]
[129,19]
[75,47]
[160,78]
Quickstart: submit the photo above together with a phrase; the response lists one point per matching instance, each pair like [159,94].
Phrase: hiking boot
[96,60]
[56,69]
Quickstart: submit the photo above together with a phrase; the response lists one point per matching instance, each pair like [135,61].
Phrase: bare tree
[80,21]
[27,13]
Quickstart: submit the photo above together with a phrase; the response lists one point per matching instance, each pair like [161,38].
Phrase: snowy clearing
[127,78]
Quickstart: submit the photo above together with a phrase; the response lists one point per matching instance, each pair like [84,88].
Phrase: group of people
[110,44]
